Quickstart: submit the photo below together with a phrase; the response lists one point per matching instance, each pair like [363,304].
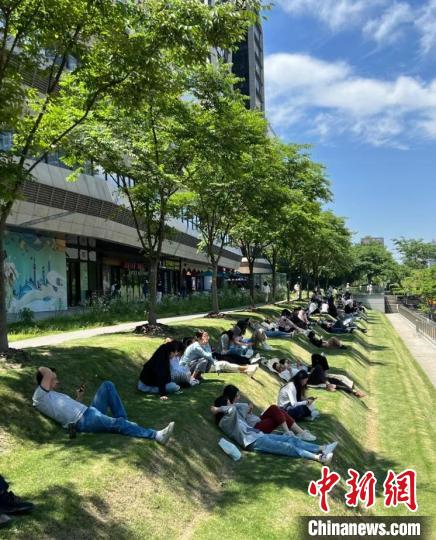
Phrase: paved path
[56,339]
[420,348]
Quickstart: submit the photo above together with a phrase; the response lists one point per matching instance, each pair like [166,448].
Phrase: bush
[26,316]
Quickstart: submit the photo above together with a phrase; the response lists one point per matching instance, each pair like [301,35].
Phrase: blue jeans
[95,420]
[170,388]
[285,445]
[277,333]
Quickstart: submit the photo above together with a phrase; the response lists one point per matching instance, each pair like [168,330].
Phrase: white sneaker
[306,436]
[255,359]
[193,382]
[251,370]
[325,458]
[249,353]
[314,414]
[266,347]
[328,448]
[163,436]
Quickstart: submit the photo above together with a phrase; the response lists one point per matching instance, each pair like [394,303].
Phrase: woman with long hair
[234,419]
[292,398]
[271,419]
[155,377]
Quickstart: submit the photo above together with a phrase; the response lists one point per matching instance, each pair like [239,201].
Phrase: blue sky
[357,79]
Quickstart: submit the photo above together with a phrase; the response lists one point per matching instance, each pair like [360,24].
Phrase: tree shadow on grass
[63,513]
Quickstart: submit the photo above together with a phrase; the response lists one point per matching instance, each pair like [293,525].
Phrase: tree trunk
[251,271]
[288,287]
[274,283]
[274,276]
[153,266]
[3,314]
[215,303]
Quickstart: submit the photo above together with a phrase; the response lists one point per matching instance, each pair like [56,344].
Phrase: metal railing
[423,326]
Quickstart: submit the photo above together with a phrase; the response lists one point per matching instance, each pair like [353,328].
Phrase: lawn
[109,486]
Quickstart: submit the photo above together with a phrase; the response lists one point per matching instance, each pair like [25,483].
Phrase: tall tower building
[248,66]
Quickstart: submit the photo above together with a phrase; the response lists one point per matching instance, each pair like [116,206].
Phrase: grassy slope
[98,486]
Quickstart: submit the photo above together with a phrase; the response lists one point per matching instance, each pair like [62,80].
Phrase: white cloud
[389,26]
[337,14]
[426,26]
[335,100]
[383,21]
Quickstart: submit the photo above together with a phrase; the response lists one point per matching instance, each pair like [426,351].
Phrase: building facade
[68,242]
[248,66]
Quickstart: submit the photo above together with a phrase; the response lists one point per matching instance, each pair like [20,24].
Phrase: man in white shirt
[76,416]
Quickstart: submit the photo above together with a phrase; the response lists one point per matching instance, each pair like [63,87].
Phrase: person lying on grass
[271,419]
[332,343]
[75,416]
[232,420]
[317,374]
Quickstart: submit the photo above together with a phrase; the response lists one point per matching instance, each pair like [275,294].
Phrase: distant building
[372,240]
[248,66]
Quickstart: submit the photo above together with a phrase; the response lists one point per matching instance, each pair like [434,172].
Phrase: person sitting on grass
[200,358]
[232,420]
[75,416]
[292,398]
[155,377]
[332,343]
[285,324]
[271,419]
[10,504]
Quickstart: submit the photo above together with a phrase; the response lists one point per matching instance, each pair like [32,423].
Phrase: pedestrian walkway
[420,348]
[56,339]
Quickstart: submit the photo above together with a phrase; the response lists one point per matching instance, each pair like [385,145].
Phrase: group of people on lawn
[182,364]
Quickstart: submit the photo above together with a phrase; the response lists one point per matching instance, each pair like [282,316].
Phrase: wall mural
[35,273]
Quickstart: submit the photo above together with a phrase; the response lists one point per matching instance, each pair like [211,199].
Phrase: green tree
[415,253]
[225,138]
[373,263]
[77,53]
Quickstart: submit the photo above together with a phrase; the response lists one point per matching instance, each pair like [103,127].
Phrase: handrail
[423,326]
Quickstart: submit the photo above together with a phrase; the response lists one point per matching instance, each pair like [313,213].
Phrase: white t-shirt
[57,406]
[288,397]
[266,289]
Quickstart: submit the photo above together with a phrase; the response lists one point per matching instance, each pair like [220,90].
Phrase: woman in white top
[292,398]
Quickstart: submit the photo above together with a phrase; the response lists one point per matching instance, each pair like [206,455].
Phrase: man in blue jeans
[75,416]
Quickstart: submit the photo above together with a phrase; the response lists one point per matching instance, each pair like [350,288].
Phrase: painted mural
[35,273]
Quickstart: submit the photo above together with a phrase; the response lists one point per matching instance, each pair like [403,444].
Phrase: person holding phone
[75,416]
[292,398]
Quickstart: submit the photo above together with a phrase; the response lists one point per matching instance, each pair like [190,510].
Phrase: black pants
[232,358]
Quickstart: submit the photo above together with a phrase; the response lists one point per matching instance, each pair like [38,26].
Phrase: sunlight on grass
[100,486]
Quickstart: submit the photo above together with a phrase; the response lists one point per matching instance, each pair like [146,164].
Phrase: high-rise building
[248,66]
[372,240]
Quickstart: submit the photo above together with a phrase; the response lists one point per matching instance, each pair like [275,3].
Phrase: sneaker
[306,436]
[325,459]
[4,519]
[314,414]
[251,370]
[329,448]
[11,504]
[249,353]
[194,382]
[266,347]
[163,436]
[255,359]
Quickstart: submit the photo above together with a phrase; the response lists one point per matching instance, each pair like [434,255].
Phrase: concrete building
[248,65]
[67,242]
[372,240]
